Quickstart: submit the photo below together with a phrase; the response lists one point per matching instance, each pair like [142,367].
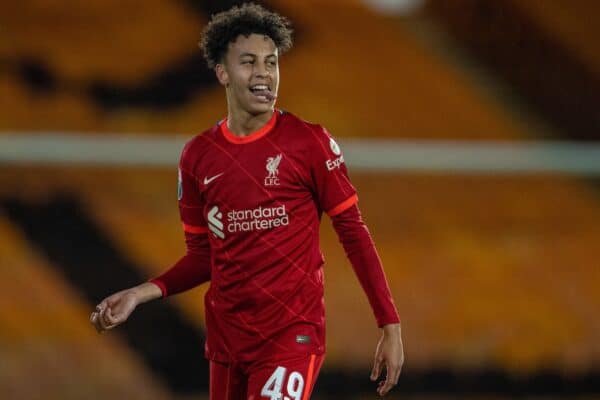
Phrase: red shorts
[278,379]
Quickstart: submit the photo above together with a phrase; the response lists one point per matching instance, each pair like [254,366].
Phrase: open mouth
[263,93]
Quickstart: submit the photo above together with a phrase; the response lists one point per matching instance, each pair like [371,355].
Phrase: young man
[252,190]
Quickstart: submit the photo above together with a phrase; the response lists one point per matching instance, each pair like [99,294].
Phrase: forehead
[259,45]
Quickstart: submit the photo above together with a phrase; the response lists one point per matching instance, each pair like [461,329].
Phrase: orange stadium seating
[80,43]
[401,87]
[46,345]
[455,268]
[572,22]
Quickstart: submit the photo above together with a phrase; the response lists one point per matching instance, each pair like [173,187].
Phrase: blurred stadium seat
[571,22]
[46,345]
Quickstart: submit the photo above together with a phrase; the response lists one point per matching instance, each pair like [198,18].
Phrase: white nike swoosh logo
[208,180]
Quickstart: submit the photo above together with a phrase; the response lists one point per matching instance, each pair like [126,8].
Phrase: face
[250,73]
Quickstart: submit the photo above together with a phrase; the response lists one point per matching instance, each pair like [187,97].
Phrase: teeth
[260,87]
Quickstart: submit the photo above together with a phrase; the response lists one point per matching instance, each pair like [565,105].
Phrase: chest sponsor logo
[215,223]
[335,162]
[256,219]
[272,178]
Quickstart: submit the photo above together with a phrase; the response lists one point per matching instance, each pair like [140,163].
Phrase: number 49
[272,388]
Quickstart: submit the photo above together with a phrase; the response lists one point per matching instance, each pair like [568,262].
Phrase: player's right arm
[190,271]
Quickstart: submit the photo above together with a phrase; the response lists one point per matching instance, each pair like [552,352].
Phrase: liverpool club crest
[273,171]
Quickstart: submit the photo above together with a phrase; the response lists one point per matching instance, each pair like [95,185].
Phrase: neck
[242,123]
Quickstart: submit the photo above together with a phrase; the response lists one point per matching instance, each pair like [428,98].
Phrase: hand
[389,353]
[114,310]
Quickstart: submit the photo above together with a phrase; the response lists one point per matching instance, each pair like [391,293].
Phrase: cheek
[240,79]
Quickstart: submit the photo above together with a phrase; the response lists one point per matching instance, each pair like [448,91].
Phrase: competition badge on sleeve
[336,162]
[179,185]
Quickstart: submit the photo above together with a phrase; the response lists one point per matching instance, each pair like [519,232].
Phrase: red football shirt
[260,199]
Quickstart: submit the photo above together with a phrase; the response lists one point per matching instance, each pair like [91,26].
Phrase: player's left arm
[337,196]
[360,249]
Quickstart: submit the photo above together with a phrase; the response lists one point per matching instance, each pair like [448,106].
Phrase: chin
[255,109]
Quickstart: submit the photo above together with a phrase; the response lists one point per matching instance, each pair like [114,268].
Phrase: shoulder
[303,130]
[315,137]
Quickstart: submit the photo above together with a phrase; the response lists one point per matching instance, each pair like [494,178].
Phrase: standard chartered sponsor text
[257,219]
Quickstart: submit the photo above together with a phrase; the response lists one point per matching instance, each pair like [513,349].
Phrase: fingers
[108,318]
[115,317]
[391,380]
[377,364]
[98,321]
[102,318]
[94,321]
[95,317]
[112,311]
[102,306]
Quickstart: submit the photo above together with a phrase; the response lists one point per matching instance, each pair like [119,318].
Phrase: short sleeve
[191,206]
[331,184]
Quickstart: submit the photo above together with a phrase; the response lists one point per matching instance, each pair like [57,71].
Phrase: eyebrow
[254,55]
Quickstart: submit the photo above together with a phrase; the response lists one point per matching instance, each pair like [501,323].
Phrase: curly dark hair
[246,19]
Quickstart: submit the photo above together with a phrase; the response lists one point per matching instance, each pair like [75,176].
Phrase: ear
[222,75]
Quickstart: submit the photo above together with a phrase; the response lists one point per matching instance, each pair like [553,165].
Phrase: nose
[260,70]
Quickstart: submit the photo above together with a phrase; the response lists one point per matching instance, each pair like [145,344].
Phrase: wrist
[392,329]
[145,292]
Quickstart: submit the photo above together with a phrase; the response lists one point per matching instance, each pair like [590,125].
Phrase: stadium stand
[46,338]
[458,269]
[81,42]
[427,96]
[478,257]
[572,23]
[549,69]
[62,62]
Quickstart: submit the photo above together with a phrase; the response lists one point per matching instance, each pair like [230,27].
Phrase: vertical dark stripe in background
[553,79]
[169,344]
